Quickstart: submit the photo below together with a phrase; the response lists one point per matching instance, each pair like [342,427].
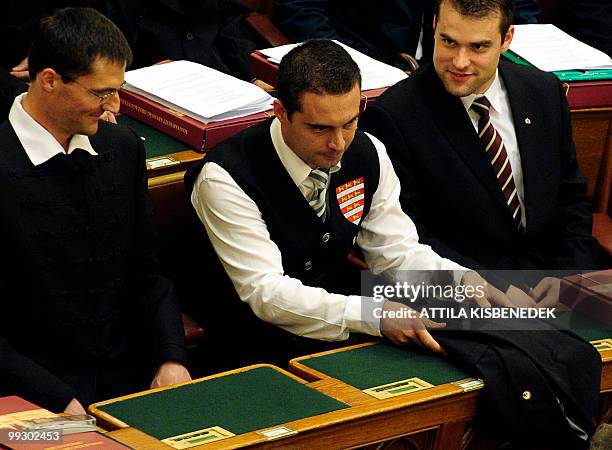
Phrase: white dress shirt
[39,144]
[502,120]
[387,237]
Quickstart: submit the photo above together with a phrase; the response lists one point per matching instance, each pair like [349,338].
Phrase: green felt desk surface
[375,365]
[156,143]
[240,402]
[588,329]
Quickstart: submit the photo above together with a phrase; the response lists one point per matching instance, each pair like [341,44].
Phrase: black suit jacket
[449,188]
[209,32]
[379,31]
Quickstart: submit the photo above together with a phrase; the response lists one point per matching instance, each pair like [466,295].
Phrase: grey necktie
[317,200]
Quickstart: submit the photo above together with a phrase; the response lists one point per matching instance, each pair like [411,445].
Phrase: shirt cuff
[362,315]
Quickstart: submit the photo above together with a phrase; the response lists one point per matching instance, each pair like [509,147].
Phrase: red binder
[589,94]
[198,135]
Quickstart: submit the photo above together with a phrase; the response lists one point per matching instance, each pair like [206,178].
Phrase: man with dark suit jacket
[209,32]
[522,204]
[85,313]
[381,31]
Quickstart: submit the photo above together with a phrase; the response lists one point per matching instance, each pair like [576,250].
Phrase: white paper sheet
[549,48]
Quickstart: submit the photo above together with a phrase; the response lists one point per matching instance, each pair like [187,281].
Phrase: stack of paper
[198,91]
[374,74]
[551,49]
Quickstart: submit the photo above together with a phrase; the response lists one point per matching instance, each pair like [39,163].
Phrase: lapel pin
[528,121]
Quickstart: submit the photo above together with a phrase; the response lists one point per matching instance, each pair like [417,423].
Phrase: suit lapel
[453,122]
[523,112]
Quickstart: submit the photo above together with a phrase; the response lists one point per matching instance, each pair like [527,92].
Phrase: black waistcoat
[313,251]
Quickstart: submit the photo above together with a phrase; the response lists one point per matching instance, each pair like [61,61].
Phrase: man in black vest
[284,202]
[85,314]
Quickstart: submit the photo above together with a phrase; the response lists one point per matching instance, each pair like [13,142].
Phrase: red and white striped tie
[498,157]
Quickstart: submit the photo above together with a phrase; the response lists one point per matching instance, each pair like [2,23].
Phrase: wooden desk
[364,423]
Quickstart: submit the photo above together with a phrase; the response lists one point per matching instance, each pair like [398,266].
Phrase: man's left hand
[485,294]
[546,293]
[170,372]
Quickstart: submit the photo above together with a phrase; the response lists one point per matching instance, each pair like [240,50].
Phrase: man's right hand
[405,330]
[74,407]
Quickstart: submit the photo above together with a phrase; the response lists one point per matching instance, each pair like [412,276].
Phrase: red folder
[589,94]
[199,135]
[13,404]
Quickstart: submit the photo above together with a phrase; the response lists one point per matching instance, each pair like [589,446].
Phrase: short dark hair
[482,8]
[319,66]
[72,39]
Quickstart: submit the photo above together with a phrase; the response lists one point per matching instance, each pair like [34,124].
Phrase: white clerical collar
[493,94]
[298,170]
[38,143]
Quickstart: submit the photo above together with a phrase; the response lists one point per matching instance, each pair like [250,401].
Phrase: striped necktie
[319,179]
[498,157]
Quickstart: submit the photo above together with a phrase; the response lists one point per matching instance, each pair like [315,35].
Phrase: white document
[374,74]
[549,48]
[198,91]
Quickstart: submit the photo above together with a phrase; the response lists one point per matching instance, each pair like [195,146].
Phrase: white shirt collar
[38,143]
[298,170]
[493,94]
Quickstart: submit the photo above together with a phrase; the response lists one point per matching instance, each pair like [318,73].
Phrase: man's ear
[507,39]
[280,112]
[48,79]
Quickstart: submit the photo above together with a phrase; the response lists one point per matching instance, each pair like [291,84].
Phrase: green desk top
[241,402]
[375,365]
[156,143]
[587,329]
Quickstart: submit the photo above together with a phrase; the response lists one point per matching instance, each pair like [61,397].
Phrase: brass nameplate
[602,344]
[469,384]
[272,434]
[199,437]
[396,388]
[161,162]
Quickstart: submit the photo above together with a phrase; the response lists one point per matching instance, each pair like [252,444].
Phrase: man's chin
[458,90]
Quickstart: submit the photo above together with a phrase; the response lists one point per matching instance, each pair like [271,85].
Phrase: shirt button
[189,36]
[526,395]
[308,265]
[326,237]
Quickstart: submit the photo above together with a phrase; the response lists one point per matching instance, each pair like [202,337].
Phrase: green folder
[566,75]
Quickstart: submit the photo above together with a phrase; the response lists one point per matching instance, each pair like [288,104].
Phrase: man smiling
[485,155]
[85,314]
